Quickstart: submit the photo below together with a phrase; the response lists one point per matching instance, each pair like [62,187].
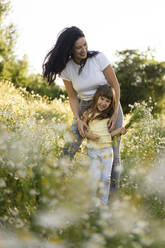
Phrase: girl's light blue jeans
[100,171]
[70,149]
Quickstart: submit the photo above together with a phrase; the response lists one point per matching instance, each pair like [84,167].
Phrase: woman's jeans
[70,149]
[100,171]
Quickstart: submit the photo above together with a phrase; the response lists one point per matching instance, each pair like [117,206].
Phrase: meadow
[45,201]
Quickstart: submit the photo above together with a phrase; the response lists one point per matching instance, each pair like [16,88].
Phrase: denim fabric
[70,149]
[116,150]
[100,168]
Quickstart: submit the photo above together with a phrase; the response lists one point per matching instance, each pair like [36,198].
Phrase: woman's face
[80,50]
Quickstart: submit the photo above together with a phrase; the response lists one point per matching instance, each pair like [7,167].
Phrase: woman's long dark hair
[105,91]
[57,58]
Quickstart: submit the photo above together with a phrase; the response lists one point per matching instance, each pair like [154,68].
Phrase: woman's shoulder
[66,72]
[69,64]
[101,60]
[101,56]
[96,54]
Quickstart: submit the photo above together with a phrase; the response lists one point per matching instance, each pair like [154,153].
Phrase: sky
[108,26]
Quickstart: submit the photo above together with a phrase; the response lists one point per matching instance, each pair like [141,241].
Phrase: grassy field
[45,201]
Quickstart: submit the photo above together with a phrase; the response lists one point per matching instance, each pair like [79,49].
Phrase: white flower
[2,183]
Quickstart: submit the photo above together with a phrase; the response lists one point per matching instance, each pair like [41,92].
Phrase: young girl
[99,139]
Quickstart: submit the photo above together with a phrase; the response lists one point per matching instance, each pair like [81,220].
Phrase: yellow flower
[19,195]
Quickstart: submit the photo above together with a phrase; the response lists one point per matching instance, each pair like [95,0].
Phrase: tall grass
[46,201]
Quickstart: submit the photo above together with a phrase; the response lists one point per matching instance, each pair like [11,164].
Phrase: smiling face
[80,50]
[103,103]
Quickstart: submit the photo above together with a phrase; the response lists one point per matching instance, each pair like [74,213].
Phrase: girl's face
[103,103]
[80,50]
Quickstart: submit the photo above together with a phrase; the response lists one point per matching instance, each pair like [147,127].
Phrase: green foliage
[140,77]
[142,157]
[4,8]
[17,70]
[7,39]
[37,84]
[46,201]
[146,133]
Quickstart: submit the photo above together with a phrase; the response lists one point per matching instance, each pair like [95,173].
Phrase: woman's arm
[112,80]
[74,104]
[73,99]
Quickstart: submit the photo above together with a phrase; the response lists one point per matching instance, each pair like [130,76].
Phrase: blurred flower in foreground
[61,218]
[24,240]
[155,180]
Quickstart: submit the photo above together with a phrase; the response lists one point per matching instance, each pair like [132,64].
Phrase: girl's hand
[94,137]
[112,122]
[81,126]
[123,130]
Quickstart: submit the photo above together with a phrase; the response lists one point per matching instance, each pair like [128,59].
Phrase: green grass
[46,202]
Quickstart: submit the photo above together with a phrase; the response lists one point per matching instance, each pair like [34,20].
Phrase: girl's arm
[112,80]
[88,134]
[91,136]
[120,130]
[74,104]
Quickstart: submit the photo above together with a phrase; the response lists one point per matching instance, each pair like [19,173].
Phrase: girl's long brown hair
[105,91]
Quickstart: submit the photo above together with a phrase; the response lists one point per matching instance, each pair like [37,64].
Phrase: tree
[7,40]
[17,70]
[140,77]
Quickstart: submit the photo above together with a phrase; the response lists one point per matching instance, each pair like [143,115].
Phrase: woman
[83,72]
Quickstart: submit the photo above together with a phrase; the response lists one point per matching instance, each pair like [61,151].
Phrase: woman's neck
[79,61]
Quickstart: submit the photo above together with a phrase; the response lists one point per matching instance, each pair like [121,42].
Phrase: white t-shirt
[87,82]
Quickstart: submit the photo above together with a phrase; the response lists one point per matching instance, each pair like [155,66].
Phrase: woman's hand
[112,122]
[81,126]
